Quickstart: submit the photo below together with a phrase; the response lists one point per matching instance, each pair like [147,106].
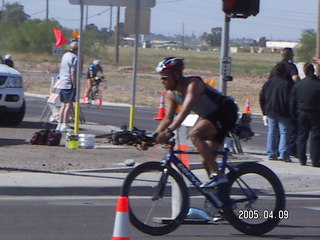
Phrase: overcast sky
[277,20]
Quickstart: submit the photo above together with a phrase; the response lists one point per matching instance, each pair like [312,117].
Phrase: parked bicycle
[253,199]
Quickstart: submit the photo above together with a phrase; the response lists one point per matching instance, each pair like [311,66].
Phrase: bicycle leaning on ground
[252,201]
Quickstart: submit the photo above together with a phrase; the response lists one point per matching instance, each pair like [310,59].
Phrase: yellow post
[132,111]
[76,117]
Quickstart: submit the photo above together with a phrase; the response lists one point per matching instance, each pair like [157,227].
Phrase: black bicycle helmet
[170,64]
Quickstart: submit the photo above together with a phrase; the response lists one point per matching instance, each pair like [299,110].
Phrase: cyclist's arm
[194,89]
[91,74]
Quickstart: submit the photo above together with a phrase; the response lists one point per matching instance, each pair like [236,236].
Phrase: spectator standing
[292,74]
[8,61]
[274,102]
[68,69]
[305,105]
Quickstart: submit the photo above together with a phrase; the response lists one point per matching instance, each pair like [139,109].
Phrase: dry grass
[249,72]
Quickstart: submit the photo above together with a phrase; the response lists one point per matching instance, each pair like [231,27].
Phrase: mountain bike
[252,200]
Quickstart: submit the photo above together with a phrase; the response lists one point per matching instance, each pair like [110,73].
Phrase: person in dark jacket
[274,102]
[291,75]
[304,104]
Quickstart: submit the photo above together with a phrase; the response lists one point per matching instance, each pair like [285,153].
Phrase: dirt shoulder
[118,86]
[17,152]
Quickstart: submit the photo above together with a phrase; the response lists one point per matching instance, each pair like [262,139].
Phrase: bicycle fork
[158,193]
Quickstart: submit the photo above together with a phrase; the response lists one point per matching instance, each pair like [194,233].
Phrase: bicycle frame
[172,158]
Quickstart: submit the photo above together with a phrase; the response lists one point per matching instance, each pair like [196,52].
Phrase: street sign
[115,3]
[55,50]
[130,19]
[226,69]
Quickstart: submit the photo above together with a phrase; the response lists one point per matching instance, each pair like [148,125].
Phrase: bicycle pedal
[218,218]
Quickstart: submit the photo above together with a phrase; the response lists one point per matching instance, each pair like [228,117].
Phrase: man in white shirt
[68,70]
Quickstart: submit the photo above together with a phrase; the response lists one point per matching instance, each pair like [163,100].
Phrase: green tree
[214,38]
[14,14]
[31,36]
[307,46]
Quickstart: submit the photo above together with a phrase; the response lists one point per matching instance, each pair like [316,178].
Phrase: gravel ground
[17,152]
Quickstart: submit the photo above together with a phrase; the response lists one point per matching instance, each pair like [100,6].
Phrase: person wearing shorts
[218,114]
[68,69]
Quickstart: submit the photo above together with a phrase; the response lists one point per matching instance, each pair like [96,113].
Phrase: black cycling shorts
[224,119]
[67,95]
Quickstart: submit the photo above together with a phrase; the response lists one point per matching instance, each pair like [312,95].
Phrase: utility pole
[47,10]
[2,12]
[87,15]
[117,37]
[182,37]
[110,27]
[318,40]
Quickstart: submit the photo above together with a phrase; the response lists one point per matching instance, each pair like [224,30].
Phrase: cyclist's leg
[202,135]
[88,88]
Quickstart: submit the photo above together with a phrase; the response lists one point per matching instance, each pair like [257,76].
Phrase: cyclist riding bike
[218,114]
[94,69]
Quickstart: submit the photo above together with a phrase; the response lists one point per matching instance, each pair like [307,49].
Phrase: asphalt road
[93,218]
[117,115]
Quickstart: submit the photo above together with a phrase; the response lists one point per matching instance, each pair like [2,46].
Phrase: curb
[59,191]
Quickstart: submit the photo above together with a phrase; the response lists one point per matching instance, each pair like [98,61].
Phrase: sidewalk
[297,180]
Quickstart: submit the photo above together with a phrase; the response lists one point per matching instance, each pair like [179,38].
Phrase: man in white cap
[67,74]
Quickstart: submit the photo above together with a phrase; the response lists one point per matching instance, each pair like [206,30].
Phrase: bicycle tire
[90,97]
[260,215]
[150,216]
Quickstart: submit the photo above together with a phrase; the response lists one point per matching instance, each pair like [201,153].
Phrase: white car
[12,101]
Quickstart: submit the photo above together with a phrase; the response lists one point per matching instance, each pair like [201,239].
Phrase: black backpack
[46,137]
[40,137]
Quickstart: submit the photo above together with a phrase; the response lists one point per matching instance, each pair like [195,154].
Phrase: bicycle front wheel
[254,199]
[158,198]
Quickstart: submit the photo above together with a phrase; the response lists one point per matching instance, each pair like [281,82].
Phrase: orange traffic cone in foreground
[247,108]
[121,224]
[161,109]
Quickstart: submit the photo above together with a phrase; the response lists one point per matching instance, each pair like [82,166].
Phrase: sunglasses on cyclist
[164,77]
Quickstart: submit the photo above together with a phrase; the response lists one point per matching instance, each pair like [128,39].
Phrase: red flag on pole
[60,39]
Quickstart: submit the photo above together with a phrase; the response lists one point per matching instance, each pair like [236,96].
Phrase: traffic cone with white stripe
[121,224]
[161,109]
[247,108]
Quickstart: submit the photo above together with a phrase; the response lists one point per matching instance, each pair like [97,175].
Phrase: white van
[12,101]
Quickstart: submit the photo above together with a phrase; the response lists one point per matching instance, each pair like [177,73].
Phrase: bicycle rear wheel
[254,199]
[152,208]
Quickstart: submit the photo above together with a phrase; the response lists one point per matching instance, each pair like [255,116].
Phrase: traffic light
[241,8]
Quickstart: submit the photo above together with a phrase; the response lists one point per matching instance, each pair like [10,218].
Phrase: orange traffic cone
[161,109]
[121,224]
[184,157]
[247,108]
